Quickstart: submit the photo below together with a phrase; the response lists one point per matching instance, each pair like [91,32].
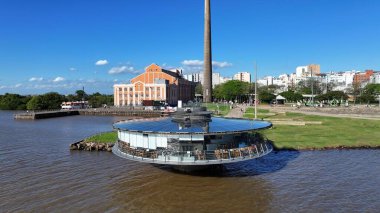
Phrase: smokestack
[207,73]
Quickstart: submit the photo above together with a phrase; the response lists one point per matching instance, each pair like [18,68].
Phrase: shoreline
[87,145]
[285,137]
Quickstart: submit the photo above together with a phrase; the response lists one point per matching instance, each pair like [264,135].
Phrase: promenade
[356,112]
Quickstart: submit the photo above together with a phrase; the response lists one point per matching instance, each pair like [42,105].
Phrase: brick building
[363,77]
[155,84]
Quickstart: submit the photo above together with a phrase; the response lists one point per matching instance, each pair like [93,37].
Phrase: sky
[64,45]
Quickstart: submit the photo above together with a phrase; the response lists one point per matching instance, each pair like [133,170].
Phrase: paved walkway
[237,111]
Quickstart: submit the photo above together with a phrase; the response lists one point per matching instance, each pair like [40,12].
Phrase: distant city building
[375,78]
[266,81]
[340,80]
[315,69]
[198,77]
[363,77]
[301,71]
[155,84]
[308,71]
[243,76]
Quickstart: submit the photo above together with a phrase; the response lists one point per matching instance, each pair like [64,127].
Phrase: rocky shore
[91,146]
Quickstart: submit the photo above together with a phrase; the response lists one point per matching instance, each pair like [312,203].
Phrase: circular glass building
[191,137]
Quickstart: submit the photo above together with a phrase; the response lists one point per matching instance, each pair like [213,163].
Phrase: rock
[73,147]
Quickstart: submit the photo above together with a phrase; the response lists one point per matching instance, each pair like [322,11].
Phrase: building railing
[189,157]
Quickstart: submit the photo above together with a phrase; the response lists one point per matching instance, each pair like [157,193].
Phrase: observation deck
[191,137]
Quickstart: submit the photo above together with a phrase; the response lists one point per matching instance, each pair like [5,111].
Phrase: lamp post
[312,86]
[255,90]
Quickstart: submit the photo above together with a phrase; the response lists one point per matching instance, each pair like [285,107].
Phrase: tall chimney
[207,73]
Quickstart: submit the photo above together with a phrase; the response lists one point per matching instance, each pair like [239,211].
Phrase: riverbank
[291,131]
[100,142]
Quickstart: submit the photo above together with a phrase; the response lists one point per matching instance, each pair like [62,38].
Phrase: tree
[98,100]
[304,87]
[355,90]
[328,87]
[266,97]
[231,90]
[369,93]
[366,98]
[338,95]
[13,101]
[198,88]
[51,100]
[80,95]
[35,103]
[292,96]
[372,89]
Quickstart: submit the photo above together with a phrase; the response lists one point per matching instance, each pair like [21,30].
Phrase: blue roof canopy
[217,125]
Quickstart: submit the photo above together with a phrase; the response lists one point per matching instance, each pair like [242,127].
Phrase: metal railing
[193,157]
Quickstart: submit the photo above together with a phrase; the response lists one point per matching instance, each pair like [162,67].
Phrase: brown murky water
[38,173]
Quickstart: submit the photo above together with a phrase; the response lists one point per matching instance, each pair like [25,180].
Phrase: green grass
[106,137]
[261,113]
[252,110]
[224,109]
[333,132]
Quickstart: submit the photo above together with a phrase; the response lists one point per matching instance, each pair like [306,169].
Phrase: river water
[38,173]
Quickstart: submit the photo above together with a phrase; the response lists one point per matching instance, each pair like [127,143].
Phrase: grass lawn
[224,109]
[261,113]
[333,132]
[105,137]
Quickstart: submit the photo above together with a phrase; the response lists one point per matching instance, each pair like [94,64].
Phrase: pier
[33,115]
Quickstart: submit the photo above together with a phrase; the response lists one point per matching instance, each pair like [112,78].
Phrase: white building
[308,71]
[243,76]
[302,71]
[375,78]
[341,80]
[198,77]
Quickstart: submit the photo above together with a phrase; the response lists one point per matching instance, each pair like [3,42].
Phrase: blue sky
[54,45]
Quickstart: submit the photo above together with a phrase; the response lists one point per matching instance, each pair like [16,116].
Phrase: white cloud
[101,62]
[221,64]
[58,79]
[197,65]
[122,69]
[18,85]
[115,80]
[192,63]
[72,69]
[3,87]
[36,79]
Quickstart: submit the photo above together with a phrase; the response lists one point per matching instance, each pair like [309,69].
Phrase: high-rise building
[308,71]
[243,76]
[314,69]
